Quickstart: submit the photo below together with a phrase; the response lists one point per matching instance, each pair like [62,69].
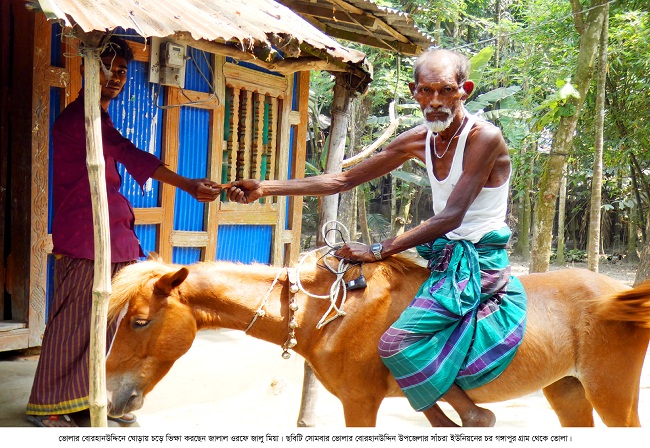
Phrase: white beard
[438,126]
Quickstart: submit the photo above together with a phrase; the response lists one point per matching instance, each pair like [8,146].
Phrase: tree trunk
[525,213]
[593,244]
[363,216]
[631,255]
[310,391]
[327,212]
[552,174]
[402,216]
[643,271]
[559,253]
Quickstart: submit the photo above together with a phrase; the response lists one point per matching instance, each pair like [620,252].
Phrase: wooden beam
[216,157]
[299,160]
[244,216]
[57,77]
[343,12]
[148,215]
[401,47]
[192,98]
[170,142]
[180,238]
[337,14]
[285,67]
[248,79]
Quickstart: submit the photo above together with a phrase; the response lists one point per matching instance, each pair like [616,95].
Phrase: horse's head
[155,328]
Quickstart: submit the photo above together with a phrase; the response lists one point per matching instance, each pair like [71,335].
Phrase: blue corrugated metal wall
[137,116]
[245,243]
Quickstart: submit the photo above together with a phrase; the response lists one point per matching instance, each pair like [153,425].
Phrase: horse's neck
[240,297]
[225,295]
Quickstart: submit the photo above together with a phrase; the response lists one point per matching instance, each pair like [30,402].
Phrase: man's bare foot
[479,417]
[52,421]
[437,418]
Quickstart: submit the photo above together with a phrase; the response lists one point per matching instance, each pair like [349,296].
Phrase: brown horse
[584,345]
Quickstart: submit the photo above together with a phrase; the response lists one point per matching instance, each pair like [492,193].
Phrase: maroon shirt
[72,226]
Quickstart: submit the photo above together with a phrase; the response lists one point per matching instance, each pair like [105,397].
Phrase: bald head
[436,58]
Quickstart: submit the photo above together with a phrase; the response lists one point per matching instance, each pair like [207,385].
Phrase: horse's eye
[140,323]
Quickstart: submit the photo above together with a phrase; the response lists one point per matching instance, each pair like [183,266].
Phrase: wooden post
[341,101]
[328,211]
[102,281]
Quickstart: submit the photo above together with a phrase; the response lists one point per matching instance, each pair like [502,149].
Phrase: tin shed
[238,110]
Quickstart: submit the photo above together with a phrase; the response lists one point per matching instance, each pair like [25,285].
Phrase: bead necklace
[435,135]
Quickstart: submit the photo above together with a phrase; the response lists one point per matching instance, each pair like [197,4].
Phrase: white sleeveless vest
[487,212]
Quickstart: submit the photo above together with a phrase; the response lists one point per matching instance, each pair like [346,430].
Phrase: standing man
[61,383]
[466,322]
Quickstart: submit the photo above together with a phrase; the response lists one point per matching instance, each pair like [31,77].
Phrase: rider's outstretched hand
[245,191]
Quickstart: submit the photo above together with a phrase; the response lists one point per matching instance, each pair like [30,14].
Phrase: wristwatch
[376,250]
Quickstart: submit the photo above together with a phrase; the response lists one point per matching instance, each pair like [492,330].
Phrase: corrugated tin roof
[253,26]
[365,22]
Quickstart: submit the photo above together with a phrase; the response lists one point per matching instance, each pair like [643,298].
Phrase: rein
[338,285]
[291,341]
[293,277]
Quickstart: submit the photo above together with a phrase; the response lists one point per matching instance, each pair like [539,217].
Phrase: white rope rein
[260,309]
[338,288]
[337,293]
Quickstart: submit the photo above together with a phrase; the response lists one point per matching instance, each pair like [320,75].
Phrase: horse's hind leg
[616,399]
[568,400]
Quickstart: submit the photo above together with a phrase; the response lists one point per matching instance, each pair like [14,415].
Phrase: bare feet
[437,418]
[478,417]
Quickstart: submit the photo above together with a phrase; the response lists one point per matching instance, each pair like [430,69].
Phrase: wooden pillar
[340,112]
[102,281]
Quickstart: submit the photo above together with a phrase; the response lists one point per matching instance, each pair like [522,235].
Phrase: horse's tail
[632,305]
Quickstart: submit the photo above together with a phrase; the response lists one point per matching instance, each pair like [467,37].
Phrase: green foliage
[557,105]
[571,256]
[517,57]
[479,62]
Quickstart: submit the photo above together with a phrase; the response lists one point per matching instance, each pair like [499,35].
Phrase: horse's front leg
[361,411]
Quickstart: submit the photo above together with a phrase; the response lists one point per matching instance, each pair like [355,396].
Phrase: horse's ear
[168,282]
[153,256]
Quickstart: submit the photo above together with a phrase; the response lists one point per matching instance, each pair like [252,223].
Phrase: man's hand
[356,252]
[245,191]
[204,190]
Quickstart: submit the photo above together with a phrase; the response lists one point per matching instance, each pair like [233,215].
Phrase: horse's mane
[404,262]
[130,279]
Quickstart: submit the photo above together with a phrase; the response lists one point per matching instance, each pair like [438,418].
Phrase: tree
[550,181]
[593,249]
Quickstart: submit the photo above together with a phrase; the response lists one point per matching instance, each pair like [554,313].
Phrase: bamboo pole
[102,280]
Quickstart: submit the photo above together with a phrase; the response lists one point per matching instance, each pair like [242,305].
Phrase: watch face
[376,250]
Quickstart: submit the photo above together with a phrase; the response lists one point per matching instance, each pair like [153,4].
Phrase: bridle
[293,276]
[291,341]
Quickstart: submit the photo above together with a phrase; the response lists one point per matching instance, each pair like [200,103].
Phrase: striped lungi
[61,383]
[464,325]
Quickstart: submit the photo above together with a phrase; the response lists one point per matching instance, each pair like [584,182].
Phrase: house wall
[250,123]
